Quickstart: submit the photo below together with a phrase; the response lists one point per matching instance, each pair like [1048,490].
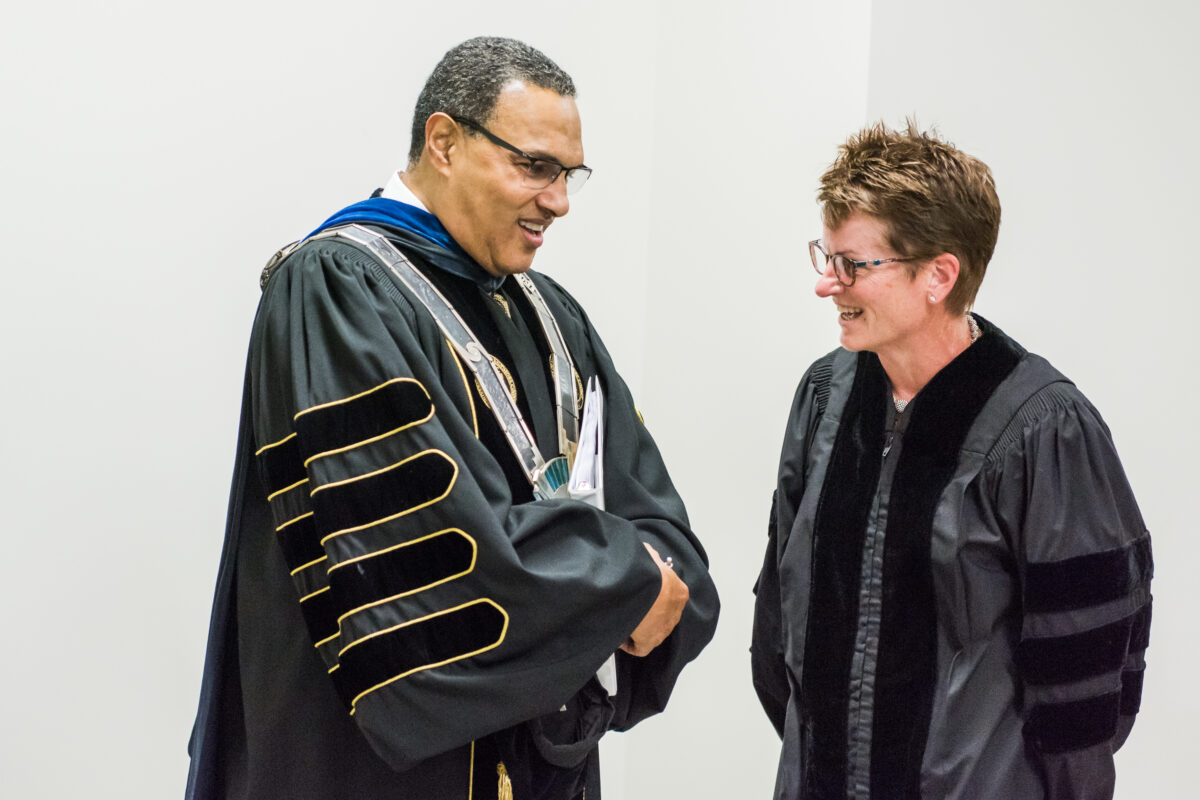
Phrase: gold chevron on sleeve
[360,395]
[424,621]
[286,489]
[272,445]
[466,570]
[443,493]
[342,425]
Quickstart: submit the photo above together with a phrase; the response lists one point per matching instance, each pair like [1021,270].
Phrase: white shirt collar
[396,190]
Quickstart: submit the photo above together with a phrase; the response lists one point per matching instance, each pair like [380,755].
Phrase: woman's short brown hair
[933,197]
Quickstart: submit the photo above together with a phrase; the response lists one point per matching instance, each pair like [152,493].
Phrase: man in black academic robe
[397,615]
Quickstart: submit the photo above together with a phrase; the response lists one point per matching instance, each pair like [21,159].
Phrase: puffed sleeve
[767,664]
[441,610]
[1084,564]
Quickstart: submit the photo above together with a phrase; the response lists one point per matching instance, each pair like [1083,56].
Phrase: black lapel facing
[941,416]
[838,532]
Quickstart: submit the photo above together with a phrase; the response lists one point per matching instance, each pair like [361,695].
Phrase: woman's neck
[924,356]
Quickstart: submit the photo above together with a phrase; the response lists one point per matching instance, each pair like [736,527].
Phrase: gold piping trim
[467,386]
[471,773]
[311,595]
[419,589]
[326,640]
[267,447]
[303,567]
[397,515]
[363,394]
[379,471]
[442,613]
[294,519]
[286,489]
[337,450]
[394,678]
[409,543]
[332,670]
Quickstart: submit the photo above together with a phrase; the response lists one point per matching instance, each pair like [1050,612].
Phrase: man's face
[490,211]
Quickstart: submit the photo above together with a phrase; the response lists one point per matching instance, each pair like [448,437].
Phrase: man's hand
[663,616]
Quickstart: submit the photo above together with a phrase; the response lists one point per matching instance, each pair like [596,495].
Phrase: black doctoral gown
[955,601]
[396,616]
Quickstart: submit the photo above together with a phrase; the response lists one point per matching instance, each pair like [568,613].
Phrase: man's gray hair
[467,82]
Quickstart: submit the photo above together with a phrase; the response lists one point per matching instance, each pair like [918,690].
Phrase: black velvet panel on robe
[839,532]
[941,416]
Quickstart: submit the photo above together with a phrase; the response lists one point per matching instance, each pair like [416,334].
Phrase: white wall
[742,127]
[152,156]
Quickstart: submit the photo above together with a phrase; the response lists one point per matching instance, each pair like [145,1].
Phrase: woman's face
[885,307]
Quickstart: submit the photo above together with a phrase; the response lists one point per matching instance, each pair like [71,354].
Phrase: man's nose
[554,197]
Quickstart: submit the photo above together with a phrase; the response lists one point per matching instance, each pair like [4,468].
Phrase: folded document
[587,473]
[587,484]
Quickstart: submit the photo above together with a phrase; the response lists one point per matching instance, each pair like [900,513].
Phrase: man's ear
[442,138]
[943,274]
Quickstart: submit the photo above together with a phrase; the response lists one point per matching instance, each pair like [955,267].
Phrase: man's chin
[502,270]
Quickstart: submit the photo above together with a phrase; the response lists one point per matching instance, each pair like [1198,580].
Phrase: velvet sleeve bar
[441,609]
[1084,563]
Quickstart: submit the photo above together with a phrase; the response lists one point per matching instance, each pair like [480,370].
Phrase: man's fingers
[633,650]
[663,616]
[654,554]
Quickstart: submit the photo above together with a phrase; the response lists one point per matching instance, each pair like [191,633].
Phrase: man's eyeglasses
[538,173]
[845,269]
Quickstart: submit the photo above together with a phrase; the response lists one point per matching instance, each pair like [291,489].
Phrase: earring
[932,299]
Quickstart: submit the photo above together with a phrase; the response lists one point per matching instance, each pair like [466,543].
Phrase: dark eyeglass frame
[844,269]
[574,177]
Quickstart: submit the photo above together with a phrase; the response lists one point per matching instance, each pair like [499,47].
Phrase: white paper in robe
[587,485]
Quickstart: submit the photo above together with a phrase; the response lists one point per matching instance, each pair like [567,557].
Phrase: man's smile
[534,231]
